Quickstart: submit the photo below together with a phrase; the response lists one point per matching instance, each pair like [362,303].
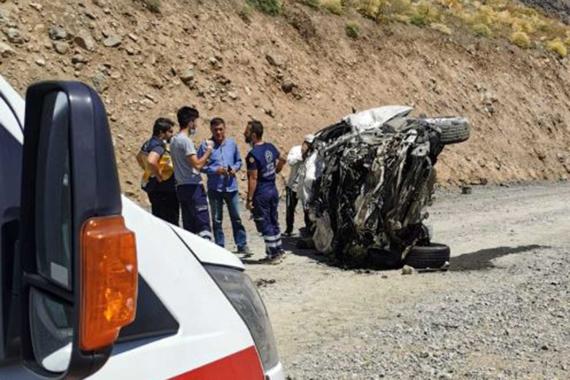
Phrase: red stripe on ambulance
[243,365]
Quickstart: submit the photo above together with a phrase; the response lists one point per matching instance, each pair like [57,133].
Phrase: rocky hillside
[555,8]
[297,72]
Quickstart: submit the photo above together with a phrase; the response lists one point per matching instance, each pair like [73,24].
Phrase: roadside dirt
[501,311]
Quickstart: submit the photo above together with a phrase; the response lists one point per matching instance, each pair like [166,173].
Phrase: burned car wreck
[367,184]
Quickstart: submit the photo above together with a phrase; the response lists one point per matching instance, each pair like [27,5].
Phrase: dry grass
[508,19]
[481,30]
[442,28]
[333,6]
[520,39]
[558,47]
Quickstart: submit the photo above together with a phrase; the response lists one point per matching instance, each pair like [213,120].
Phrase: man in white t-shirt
[295,159]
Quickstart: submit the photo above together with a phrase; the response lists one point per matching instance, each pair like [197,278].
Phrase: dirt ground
[501,311]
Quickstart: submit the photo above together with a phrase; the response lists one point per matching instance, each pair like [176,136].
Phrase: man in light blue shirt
[221,169]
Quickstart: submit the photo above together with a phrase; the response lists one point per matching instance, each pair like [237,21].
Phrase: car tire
[453,129]
[433,256]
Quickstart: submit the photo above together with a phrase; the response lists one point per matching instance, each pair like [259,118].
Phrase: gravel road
[501,311]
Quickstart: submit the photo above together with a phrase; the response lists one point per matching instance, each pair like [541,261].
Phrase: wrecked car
[367,184]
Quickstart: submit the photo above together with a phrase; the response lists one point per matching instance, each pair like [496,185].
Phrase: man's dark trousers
[291,201]
[164,205]
[265,214]
[194,206]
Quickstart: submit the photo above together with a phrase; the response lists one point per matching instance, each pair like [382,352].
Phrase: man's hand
[231,172]
[249,205]
[221,171]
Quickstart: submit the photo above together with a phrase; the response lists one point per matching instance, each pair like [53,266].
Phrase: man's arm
[153,159]
[280,164]
[210,167]
[237,160]
[192,157]
[199,163]
[140,159]
[251,186]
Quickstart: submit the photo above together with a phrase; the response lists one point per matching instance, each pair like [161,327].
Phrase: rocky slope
[297,73]
[555,8]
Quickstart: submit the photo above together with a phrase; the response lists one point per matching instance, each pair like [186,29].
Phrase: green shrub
[271,7]
[352,30]
[481,30]
[245,13]
[520,39]
[311,3]
[419,19]
[152,5]
[424,13]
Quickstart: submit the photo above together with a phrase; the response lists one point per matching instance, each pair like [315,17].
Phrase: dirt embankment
[297,73]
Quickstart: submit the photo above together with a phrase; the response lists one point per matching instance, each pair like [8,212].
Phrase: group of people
[173,165]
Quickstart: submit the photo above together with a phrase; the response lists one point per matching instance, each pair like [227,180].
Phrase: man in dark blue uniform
[263,164]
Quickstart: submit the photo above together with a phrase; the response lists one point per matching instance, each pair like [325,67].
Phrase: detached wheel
[433,256]
[453,129]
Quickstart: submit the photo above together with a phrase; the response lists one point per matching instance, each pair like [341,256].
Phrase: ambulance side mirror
[78,259]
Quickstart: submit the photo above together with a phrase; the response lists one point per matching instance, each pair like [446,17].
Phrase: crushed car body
[369,180]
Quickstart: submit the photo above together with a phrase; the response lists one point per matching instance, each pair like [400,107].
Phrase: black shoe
[274,259]
[245,251]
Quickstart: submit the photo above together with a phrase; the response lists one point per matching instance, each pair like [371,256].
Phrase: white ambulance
[93,285]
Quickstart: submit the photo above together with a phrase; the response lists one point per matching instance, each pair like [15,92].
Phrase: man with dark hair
[158,181]
[263,164]
[187,166]
[221,169]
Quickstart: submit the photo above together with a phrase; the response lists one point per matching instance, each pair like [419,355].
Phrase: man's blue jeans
[217,199]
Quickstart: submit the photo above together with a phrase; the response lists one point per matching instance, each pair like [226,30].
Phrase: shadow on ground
[302,247]
[481,260]
[290,245]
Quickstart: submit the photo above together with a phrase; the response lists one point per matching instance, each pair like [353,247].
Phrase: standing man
[263,164]
[295,160]
[158,179]
[221,169]
[187,166]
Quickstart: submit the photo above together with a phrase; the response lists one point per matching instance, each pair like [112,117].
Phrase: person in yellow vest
[158,179]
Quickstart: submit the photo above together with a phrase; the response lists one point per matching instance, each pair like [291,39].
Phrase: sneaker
[245,251]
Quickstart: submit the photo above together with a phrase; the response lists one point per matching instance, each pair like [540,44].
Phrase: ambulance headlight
[243,295]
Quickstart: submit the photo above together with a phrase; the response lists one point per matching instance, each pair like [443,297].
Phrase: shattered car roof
[376,117]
